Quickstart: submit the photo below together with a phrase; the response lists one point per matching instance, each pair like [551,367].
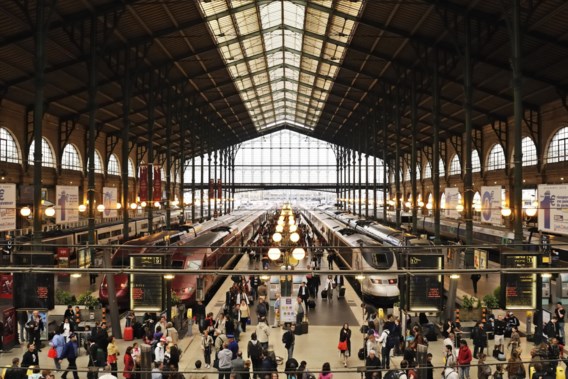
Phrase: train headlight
[393,281]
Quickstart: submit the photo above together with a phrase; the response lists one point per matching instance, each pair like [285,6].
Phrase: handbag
[52,353]
[342,345]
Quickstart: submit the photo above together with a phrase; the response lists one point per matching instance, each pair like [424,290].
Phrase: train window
[104,235]
[217,243]
[193,265]
[177,264]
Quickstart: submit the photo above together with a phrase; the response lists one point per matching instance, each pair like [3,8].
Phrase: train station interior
[407,158]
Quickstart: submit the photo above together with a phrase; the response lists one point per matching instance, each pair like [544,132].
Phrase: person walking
[225,357]
[254,352]
[479,339]
[474,279]
[70,352]
[30,357]
[464,360]
[58,343]
[289,339]
[112,356]
[483,369]
[128,363]
[207,346]
[276,323]
[560,314]
[299,310]
[344,344]
[326,371]
[329,286]
[372,365]
[263,332]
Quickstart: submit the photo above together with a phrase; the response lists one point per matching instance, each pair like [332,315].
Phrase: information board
[519,290]
[146,290]
[287,309]
[425,291]
[480,259]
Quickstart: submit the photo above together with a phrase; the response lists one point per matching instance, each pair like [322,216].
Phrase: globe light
[429,206]
[101,208]
[294,237]
[133,206]
[25,211]
[279,228]
[420,204]
[407,204]
[143,204]
[291,221]
[157,204]
[459,208]
[531,211]
[477,207]
[506,212]
[82,208]
[277,237]
[293,228]
[118,205]
[50,212]
[169,276]
[274,253]
[359,277]
[299,253]
[280,223]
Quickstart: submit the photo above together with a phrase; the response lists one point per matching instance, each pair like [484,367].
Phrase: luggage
[128,333]
[430,332]
[311,303]
[299,331]
[304,326]
[496,353]
[560,373]
[341,293]
[361,354]
[501,357]
[324,294]
[138,330]
[364,329]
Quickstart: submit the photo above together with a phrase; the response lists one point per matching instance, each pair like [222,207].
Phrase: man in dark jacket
[102,337]
[93,364]
[372,363]
[289,339]
[479,339]
[15,372]
[30,357]
[70,352]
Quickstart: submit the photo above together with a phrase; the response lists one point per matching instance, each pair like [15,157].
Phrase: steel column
[397,160]
[468,179]
[414,121]
[202,186]
[125,148]
[168,157]
[214,185]
[367,185]
[360,158]
[151,119]
[385,180]
[209,186]
[436,149]
[91,138]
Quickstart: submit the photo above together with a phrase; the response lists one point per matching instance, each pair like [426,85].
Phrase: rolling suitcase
[311,303]
[341,293]
[128,333]
[298,331]
[304,326]
[324,294]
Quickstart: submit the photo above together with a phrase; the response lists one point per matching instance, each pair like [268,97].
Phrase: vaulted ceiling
[226,71]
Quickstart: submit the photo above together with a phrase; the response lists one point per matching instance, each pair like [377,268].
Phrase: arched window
[9,151]
[558,148]
[441,168]
[98,163]
[475,162]
[113,168]
[477,201]
[407,175]
[418,172]
[130,168]
[455,167]
[47,159]
[428,171]
[443,201]
[496,158]
[529,152]
[70,159]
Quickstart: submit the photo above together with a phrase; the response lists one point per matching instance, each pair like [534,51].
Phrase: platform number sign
[519,289]
[425,291]
[146,291]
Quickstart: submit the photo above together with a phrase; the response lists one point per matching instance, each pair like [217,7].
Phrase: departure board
[146,290]
[519,290]
[425,291]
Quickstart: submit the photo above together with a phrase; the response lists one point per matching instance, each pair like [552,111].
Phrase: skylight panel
[271,14]
[293,40]
[273,40]
[294,15]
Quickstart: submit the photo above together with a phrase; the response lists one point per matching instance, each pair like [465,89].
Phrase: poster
[10,327]
[287,313]
[553,208]
[491,205]
[157,183]
[480,259]
[452,201]
[6,286]
[143,180]
[110,198]
[66,204]
[7,206]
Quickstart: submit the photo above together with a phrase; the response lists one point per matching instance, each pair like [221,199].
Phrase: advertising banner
[157,182]
[143,180]
[553,208]
[287,313]
[66,204]
[110,199]
[452,201]
[491,205]
[10,327]
[7,206]
[6,286]
[480,259]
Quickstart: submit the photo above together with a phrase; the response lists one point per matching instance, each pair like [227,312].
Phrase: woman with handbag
[112,356]
[245,315]
[344,344]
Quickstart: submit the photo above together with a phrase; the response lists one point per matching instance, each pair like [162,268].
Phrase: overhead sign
[553,208]
[491,205]
[519,289]
[66,204]
[7,206]
[425,291]
[146,290]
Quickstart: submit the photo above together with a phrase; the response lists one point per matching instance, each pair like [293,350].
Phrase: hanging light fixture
[118,205]
[506,212]
[133,206]
[25,211]
[274,253]
[531,211]
[50,212]
[143,204]
[101,208]
[459,208]
[299,253]
[277,237]
[294,237]
[82,208]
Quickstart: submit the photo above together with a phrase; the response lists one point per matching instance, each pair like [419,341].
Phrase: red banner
[219,189]
[10,327]
[143,182]
[6,286]
[211,188]
[157,182]
[63,254]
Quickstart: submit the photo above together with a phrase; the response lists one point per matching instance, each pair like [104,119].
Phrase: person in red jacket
[464,359]
[128,363]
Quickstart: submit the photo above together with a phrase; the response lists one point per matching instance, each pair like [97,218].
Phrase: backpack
[285,338]
[395,374]
[255,350]
[391,341]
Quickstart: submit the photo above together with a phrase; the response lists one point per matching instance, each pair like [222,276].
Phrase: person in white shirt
[159,351]
[372,343]
[106,374]
[450,372]
[385,353]
[451,341]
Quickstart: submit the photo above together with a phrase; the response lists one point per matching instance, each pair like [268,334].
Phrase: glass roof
[283,55]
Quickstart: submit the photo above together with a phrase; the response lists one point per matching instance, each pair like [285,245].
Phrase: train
[357,251]
[212,246]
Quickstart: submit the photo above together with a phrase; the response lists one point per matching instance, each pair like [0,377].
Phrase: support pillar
[92,132]
[436,150]
[467,178]
[151,120]
[202,208]
[414,121]
[168,158]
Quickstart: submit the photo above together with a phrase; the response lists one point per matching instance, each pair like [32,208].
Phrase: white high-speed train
[359,252]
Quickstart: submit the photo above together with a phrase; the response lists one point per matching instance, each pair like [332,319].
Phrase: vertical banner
[110,199]
[491,205]
[10,327]
[6,286]
[211,188]
[66,204]
[7,206]
[452,201]
[157,182]
[143,180]
[553,208]
[219,189]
